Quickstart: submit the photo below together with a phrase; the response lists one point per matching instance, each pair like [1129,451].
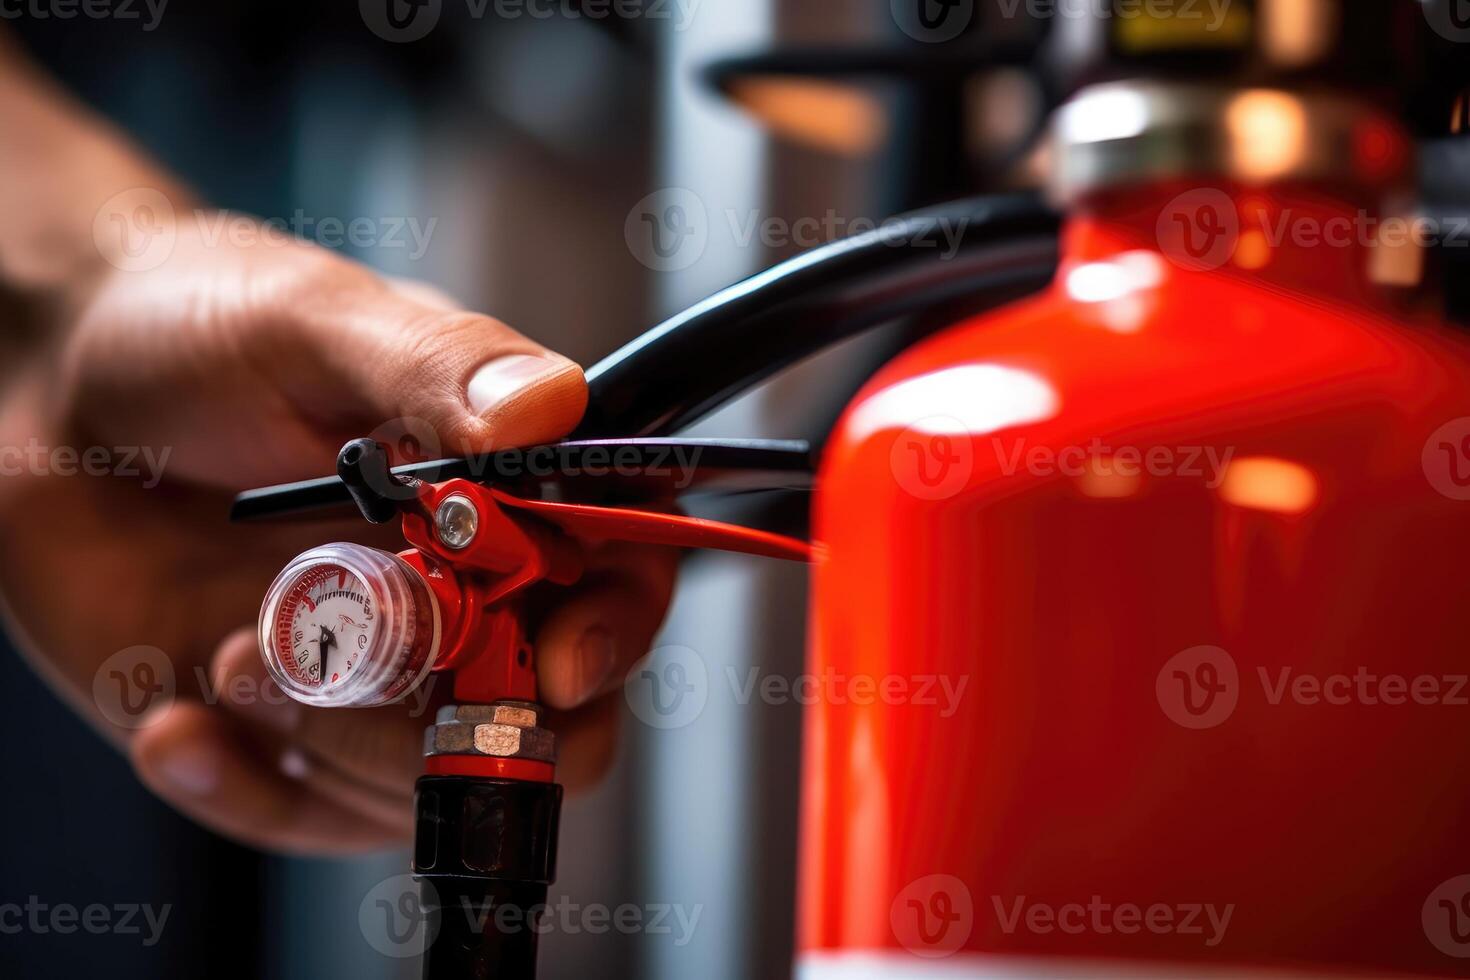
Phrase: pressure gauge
[348,626]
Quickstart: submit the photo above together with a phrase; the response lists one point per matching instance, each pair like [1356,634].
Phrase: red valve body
[1061,588]
[520,543]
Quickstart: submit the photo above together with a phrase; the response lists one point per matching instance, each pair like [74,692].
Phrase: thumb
[409,354]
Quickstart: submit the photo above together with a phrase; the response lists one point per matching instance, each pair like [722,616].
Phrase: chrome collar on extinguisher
[1123,133]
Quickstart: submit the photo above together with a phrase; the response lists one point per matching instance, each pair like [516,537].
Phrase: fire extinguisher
[1176,527]
[345,625]
[1189,522]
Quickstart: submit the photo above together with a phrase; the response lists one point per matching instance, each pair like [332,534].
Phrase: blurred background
[526,146]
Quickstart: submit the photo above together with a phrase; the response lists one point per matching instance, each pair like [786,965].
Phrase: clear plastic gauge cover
[349,626]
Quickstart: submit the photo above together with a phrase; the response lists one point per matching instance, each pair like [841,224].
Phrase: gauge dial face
[345,625]
[324,624]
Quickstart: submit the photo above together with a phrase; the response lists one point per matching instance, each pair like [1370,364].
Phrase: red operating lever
[479,576]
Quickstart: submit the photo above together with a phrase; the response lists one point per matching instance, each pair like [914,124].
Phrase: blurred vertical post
[698,777]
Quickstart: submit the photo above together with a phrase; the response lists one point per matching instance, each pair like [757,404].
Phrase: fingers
[586,742]
[364,762]
[279,775]
[405,352]
[198,762]
[378,748]
[590,640]
[391,811]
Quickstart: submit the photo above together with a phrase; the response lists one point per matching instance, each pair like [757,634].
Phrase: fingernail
[191,767]
[595,656]
[505,377]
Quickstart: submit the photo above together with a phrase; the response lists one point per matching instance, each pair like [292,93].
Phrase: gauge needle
[325,642]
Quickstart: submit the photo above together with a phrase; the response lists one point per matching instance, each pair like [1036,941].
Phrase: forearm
[62,165]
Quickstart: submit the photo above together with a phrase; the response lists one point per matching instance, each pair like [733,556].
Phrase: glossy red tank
[1165,572]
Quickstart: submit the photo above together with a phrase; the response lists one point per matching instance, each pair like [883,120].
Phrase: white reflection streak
[983,398]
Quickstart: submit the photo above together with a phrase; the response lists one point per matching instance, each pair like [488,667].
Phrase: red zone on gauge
[347,625]
[327,616]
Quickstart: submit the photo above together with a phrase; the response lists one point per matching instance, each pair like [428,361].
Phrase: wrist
[69,184]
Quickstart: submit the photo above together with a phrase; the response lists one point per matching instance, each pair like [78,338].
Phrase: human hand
[245,365]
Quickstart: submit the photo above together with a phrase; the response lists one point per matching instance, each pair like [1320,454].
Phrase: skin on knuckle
[306,277]
[294,302]
[458,343]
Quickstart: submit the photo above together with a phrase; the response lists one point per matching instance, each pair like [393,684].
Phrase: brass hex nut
[506,730]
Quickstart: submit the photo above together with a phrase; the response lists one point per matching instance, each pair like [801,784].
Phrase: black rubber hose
[691,364]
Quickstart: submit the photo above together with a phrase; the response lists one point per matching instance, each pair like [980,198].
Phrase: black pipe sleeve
[484,854]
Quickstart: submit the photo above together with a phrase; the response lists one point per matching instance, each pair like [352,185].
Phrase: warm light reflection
[1252,250]
[1267,483]
[1268,134]
[980,397]
[822,114]
[1396,260]
[1297,32]
[1103,481]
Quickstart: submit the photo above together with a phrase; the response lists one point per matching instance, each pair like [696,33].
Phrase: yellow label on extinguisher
[1151,26]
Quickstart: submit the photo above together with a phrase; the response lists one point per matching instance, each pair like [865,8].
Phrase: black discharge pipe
[484,854]
[977,252]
